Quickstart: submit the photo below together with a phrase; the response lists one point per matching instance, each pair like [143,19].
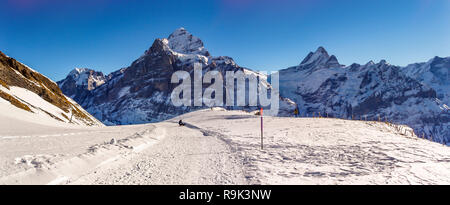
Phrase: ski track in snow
[43,136]
[184,156]
[223,147]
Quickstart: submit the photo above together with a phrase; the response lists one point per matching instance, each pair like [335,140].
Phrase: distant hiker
[181,123]
[296,112]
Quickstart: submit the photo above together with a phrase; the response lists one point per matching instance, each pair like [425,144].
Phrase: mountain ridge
[319,82]
[141,93]
[373,91]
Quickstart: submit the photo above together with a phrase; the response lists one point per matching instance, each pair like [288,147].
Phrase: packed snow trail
[184,156]
[72,158]
[49,145]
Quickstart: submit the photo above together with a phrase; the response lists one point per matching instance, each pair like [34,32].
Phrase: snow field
[223,147]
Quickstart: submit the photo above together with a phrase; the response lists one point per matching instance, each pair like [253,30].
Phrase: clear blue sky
[54,36]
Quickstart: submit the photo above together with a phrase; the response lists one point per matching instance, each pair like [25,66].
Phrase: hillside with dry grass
[16,74]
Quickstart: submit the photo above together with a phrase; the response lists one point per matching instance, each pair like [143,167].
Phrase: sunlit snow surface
[220,147]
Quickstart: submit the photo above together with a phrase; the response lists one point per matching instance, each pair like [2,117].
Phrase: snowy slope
[29,97]
[42,112]
[223,147]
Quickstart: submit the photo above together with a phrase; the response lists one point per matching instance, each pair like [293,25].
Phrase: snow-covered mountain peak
[78,71]
[383,62]
[178,32]
[441,62]
[87,77]
[181,41]
[383,65]
[434,73]
[436,58]
[83,78]
[319,59]
[180,45]
[370,63]
[319,55]
[321,50]
[333,62]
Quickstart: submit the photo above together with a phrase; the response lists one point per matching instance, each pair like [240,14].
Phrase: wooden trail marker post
[71,116]
[261,113]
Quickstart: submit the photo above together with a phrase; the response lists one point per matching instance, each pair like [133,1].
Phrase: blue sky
[54,36]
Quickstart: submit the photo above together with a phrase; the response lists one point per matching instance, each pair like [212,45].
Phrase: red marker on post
[261,112]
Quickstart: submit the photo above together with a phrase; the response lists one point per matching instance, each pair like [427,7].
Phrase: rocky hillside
[32,92]
[372,91]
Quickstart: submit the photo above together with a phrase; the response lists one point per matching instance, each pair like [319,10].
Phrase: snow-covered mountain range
[416,95]
[28,96]
[141,92]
